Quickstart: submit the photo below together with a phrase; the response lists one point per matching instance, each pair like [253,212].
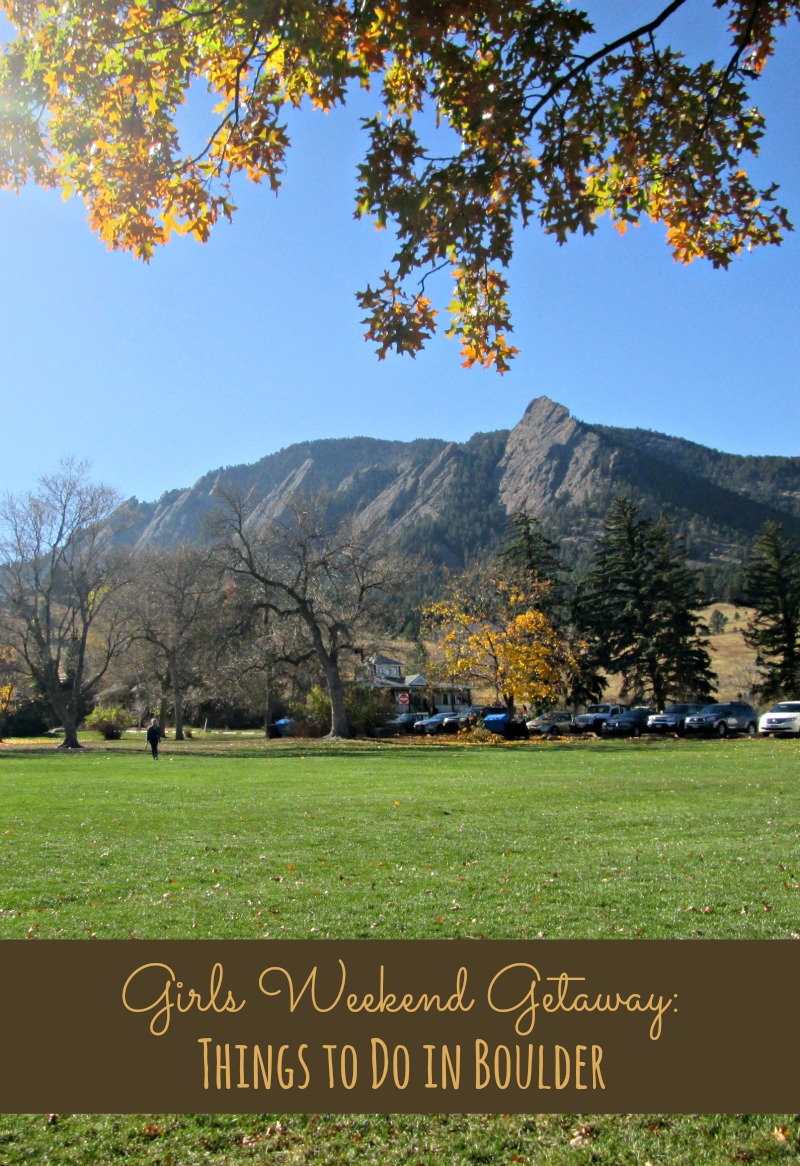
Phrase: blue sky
[218,354]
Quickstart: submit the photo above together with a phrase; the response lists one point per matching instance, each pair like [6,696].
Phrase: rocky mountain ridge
[450,501]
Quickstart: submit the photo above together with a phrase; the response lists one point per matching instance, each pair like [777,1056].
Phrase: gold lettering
[580,1063]
[482,1072]
[162,1000]
[430,1083]
[562,1067]
[597,1078]
[309,986]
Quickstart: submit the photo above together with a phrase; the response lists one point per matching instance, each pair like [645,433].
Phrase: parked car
[631,723]
[553,724]
[431,725]
[720,720]
[783,720]
[403,722]
[672,719]
[469,717]
[592,720]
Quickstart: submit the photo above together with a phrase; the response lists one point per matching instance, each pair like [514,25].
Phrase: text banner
[400,1026]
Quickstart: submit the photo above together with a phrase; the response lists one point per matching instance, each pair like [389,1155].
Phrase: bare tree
[321,572]
[254,656]
[173,608]
[59,576]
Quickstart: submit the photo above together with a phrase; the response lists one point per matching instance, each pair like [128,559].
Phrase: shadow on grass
[322,748]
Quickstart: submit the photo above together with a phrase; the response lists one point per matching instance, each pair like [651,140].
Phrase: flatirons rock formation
[450,501]
[549,458]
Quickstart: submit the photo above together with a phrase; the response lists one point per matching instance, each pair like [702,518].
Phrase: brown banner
[386,1026]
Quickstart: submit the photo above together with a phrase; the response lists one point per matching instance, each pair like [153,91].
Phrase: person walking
[153,737]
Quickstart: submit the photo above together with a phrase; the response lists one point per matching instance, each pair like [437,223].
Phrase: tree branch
[587,62]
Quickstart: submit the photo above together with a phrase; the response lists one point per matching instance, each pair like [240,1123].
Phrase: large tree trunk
[70,733]
[162,712]
[658,686]
[63,705]
[339,725]
[267,706]
[177,697]
[333,680]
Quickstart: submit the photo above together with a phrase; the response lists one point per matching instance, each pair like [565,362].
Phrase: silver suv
[720,720]
[672,719]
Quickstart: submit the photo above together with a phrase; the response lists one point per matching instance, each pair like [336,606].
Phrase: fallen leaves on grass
[583,1135]
[269,1132]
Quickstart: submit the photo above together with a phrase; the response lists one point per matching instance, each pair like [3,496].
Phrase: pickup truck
[596,714]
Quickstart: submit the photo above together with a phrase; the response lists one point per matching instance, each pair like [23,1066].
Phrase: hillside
[449,501]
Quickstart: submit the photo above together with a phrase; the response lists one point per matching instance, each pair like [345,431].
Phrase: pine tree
[717,622]
[640,605]
[534,557]
[773,583]
[534,560]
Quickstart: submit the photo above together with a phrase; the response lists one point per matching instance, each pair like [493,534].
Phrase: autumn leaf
[537,125]
[583,1136]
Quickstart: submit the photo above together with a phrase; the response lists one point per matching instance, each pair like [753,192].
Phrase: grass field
[241,839]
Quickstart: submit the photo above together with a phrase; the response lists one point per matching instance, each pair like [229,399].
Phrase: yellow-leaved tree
[8,687]
[495,637]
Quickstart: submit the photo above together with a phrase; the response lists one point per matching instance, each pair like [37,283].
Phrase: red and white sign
[402,698]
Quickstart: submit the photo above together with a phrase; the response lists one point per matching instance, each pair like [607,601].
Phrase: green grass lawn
[571,840]
[242,839]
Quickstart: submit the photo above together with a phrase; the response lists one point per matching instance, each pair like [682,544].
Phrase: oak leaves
[493,114]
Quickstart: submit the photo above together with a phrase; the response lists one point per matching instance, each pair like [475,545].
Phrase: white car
[783,720]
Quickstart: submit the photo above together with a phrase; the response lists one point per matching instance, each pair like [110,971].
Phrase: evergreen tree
[639,607]
[534,557]
[534,560]
[717,622]
[773,583]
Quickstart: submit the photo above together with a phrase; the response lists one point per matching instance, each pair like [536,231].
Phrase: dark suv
[631,723]
[720,720]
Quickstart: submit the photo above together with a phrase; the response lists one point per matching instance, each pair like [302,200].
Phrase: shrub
[110,720]
[367,709]
[30,719]
[312,716]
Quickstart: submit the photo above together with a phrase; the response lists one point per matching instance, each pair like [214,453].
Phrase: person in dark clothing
[153,737]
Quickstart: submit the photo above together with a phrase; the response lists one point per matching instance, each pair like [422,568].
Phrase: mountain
[450,501]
